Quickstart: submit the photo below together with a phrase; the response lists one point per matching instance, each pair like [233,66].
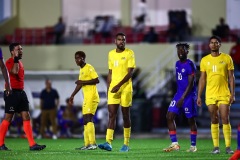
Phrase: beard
[183,57]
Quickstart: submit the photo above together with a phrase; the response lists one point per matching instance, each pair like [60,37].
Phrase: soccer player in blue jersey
[184,100]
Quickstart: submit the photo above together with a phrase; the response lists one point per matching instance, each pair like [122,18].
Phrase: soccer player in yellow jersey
[217,73]
[88,79]
[121,63]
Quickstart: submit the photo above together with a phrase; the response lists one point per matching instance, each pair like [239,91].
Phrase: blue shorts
[189,106]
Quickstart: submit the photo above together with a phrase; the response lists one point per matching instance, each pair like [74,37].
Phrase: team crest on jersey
[221,62]
[208,63]
[123,58]
[183,70]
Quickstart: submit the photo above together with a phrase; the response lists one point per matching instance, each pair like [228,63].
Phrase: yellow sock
[126,133]
[109,136]
[91,132]
[85,134]
[215,134]
[227,132]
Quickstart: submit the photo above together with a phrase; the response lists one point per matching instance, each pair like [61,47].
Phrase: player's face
[18,51]
[120,42]
[79,60]
[182,53]
[214,45]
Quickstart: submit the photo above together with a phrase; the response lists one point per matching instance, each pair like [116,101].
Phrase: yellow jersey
[119,63]
[90,92]
[216,69]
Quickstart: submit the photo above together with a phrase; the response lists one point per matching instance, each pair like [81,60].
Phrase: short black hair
[81,54]
[186,45]
[120,34]
[12,46]
[215,37]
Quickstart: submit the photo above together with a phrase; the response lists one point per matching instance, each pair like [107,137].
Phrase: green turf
[140,149]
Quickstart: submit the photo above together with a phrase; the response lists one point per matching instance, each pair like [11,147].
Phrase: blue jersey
[183,70]
[189,107]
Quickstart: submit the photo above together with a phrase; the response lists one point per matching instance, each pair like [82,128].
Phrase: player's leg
[113,105]
[3,130]
[10,109]
[173,110]
[190,110]
[172,132]
[193,134]
[126,128]
[213,110]
[112,115]
[90,125]
[24,111]
[224,110]
[126,103]
[28,131]
[236,154]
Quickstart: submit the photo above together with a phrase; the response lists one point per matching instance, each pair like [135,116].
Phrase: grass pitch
[140,149]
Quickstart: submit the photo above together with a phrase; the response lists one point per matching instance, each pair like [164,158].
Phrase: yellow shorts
[218,100]
[89,107]
[124,98]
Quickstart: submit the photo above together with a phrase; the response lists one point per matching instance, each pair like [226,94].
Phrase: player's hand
[115,89]
[199,102]
[232,99]
[8,90]
[180,103]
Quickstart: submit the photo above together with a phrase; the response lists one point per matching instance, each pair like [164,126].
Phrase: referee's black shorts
[16,102]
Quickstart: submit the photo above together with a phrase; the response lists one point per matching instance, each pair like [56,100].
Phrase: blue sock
[173,136]
[193,138]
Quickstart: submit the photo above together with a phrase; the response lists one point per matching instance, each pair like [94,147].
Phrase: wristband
[16,59]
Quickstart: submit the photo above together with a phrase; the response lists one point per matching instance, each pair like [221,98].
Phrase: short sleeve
[131,60]
[230,64]
[202,66]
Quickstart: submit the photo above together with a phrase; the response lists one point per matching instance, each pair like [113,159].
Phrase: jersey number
[179,76]
[214,68]
[115,63]
[172,103]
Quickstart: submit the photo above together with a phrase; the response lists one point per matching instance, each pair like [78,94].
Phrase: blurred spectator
[178,29]
[49,101]
[67,117]
[172,32]
[59,30]
[222,30]
[151,36]
[235,54]
[141,16]
[107,27]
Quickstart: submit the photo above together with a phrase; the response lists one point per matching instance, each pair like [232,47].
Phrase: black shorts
[16,102]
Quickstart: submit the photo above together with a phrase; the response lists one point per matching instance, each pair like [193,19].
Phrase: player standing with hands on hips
[217,74]
[17,102]
[121,63]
